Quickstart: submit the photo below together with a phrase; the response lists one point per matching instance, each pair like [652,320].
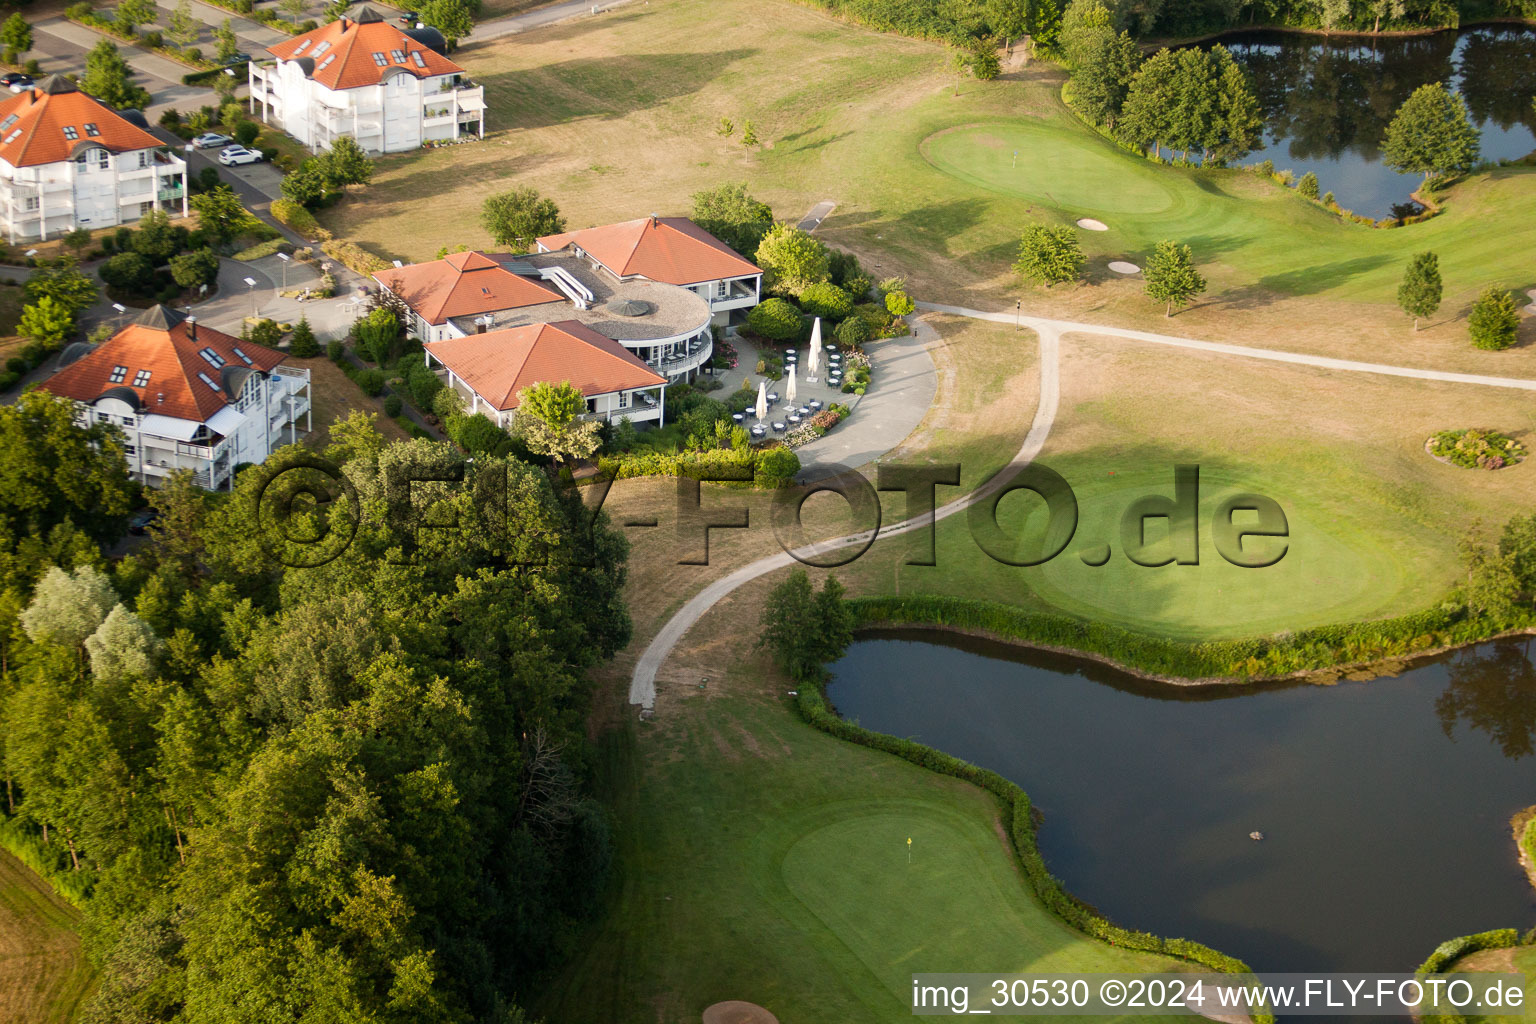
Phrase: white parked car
[234,156]
[212,140]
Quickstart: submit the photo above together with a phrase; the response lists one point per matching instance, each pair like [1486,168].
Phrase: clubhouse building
[619,311]
[185,396]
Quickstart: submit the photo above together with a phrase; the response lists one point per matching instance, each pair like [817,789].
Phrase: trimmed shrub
[392,406]
[371,381]
[826,300]
[854,332]
[774,319]
[335,351]
[288,212]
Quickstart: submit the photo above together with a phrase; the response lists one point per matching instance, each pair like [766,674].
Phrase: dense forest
[963,22]
[351,792]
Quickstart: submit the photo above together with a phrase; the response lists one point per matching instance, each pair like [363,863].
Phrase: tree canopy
[1171,275]
[519,217]
[107,78]
[731,215]
[1049,255]
[1419,294]
[792,260]
[1431,134]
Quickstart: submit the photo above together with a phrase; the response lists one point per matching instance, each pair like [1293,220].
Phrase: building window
[143,158]
[103,159]
[380,59]
[70,133]
[591,405]
[32,203]
[91,130]
[419,59]
[398,56]
[102,417]
[145,208]
[302,47]
[321,49]
[623,399]
[118,373]
[208,380]
[141,379]
[213,358]
[722,289]
[129,449]
[325,63]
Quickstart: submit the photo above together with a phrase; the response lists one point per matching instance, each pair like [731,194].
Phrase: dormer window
[13,136]
[91,130]
[325,63]
[214,359]
[70,133]
[416,56]
[321,48]
[8,122]
[398,56]
[243,356]
[141,379]
[208,380]
[117,375]
[379,59]
[302,47]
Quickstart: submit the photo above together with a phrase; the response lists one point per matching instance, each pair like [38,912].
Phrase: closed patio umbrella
[815,364]
[789,391]
[762,400]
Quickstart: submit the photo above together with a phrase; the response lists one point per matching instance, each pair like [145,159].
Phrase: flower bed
[1475,449]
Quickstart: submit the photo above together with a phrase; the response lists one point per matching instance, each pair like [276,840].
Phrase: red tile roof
[464,284]
[499,364]
[159,342]
[343,53]
[673,250]
[35,124]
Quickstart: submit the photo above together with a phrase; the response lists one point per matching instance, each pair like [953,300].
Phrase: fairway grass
[617,116]
[763,860]
[44,976]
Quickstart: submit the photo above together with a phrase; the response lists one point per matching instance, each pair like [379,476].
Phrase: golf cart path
[1298,358]
[642,686]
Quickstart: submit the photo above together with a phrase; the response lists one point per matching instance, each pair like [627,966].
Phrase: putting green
[1335,568]
[1079,174]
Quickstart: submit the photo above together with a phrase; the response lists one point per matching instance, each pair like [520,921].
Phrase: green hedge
[1448,952]
[1253,658]
[286,211]
[767,468]
[813,708]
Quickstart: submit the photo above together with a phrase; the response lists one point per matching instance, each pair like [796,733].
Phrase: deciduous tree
[792,260]
[516,218]
[732,215]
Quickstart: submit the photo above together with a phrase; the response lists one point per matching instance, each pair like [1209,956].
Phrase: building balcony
[167,195]
[686,361]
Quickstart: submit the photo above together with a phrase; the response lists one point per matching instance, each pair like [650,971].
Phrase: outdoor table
[789,353]
[778,426]
[738,417]
[805,410]
[794,417]
[759,431]
[816,403]
[773,396]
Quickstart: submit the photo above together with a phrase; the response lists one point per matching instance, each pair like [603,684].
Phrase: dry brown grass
[334,396]
[44,976]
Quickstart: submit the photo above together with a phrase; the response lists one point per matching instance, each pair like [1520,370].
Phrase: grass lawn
[44,976]
[335,396]
[616,117]
[763,860]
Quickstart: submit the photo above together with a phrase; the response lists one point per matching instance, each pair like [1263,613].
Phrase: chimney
[192,328]
[345,24]
[655,221]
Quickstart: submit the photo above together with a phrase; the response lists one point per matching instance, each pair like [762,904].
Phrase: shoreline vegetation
[1322,655]
[1174,42]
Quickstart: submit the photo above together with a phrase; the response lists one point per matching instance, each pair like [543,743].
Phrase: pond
[1327,101]
[1384,805]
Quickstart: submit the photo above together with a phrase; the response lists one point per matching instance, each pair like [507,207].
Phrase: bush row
[813,708]
[295,216]
[1448,952]
[360,260]
[1254,658]
[84,14]
[767,468]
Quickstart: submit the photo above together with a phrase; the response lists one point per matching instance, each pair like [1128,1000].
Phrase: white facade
[264,416]
[639,405]
[399,113]
[96,188]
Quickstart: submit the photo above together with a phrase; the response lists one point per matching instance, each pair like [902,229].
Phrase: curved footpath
[642,685]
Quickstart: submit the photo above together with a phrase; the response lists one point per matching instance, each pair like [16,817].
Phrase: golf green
[1030,161]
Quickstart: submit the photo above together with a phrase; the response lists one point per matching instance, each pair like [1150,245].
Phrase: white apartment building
[386,86]
[185,397]
[68,161]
